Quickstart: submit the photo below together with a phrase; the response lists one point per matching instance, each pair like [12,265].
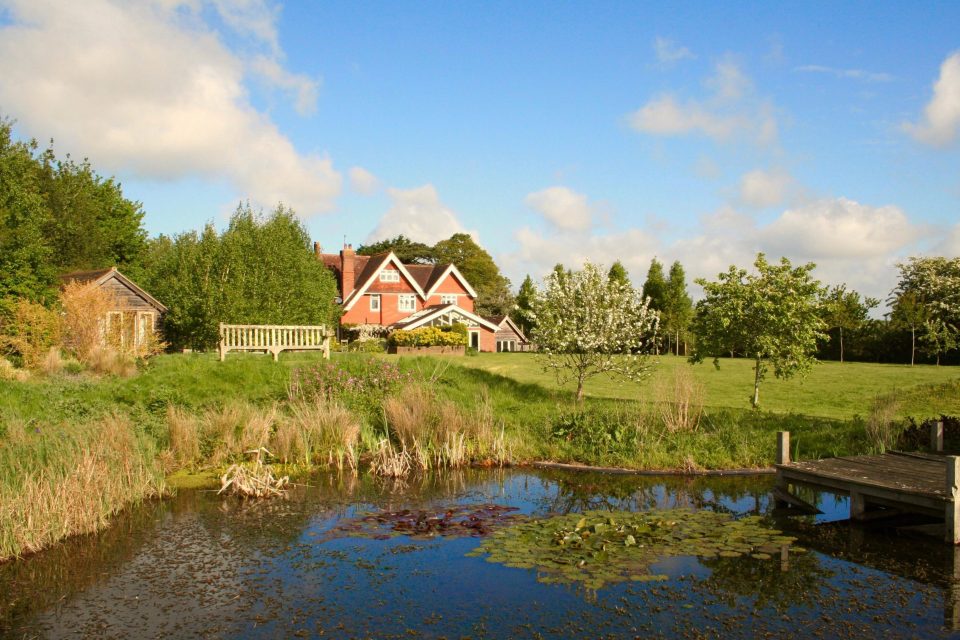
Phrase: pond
[485,554]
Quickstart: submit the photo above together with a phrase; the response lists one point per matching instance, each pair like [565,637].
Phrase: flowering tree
[587,324]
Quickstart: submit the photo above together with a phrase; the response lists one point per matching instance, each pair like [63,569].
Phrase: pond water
[352,557]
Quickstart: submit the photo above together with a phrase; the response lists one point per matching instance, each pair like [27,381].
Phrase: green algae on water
[596,548]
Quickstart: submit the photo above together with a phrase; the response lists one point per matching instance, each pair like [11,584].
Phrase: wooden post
[936,436]
[951,605]
[783,447]
[858,506]
[952,516]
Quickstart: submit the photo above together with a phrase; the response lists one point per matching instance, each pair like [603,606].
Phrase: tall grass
[59,481]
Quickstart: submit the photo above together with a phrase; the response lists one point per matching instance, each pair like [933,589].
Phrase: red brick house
[382,291]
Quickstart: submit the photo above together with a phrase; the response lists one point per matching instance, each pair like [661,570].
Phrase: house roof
[424,278]
[422,317]
[100,276]
[507,320]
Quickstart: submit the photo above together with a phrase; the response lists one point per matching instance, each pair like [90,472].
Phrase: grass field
[831,390]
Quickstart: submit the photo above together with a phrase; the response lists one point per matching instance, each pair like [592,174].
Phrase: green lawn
[831,390]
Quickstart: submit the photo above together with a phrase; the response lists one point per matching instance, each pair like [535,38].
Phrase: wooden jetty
[880,485]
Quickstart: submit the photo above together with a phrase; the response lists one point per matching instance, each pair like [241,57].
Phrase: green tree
[771,316]
[910,313]
[26,257]
[655,289]
[523,313]
[478,267]
[260,270]
[618,273]
[928,295]
[407,250]
[677,307]
[844,309]
[587,324]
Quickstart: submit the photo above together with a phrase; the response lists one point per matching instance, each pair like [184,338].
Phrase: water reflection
[198,565]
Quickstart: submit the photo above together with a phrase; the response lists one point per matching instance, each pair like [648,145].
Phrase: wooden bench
[271,338]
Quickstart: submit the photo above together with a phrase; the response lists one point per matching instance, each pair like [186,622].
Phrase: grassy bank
[75,449]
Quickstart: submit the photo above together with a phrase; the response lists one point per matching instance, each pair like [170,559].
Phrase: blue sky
[555,132]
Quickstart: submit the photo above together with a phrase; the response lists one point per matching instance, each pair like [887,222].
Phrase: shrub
[11,373]
[29,331]
[451,336]
[85,308]
[360,383]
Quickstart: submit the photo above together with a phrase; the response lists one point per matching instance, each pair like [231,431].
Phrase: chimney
[317,250]
[347,275]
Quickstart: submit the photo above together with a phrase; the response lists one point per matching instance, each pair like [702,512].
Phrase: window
[448,298]
[145,327]
[374,303]
[389,275]
[407,303]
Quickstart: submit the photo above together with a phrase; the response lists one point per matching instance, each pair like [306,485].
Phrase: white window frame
[406,302]
[449,298]
[389,275]
[375,302]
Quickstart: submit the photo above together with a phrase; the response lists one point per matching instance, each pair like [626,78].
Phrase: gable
[371,275]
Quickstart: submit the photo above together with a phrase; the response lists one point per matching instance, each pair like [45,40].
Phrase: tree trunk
[841,345]
[913,344]
[579,390]
[678,342]
[756,383]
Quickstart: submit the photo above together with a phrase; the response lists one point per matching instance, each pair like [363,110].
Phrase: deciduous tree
[588,324]
[844,309]
[478,267]
[771,316]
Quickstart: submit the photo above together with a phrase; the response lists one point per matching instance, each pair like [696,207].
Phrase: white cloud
[419,215]
[839,229]
[941,117]
[761,188]
[668,52]
[852,74]
[149,89]
[850,242]
[563,207]
[363,182]
[730,113]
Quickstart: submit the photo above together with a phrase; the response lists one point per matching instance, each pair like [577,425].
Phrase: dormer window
[389,275]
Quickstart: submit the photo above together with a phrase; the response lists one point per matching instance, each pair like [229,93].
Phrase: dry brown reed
[52,363]
[318,431]
[109,361]
[881,426]
[228,431]
[59,482]
[679,401]
[390,461]
[10,373]
[436,433]
[184,432]
[255,480]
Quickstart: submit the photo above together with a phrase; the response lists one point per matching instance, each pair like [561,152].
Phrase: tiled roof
[426,275]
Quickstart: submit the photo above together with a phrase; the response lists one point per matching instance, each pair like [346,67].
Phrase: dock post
[936,436]
[783,447]
[952,516]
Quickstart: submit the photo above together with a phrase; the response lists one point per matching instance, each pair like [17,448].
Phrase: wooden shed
[509,336]
[134,321]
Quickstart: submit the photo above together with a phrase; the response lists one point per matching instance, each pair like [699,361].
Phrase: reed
[318,431]
[60,481]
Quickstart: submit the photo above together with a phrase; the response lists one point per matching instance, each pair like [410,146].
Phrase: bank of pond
[485,553]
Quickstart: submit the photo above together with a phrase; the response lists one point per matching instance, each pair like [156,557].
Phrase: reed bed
[255,480]
[60,481]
